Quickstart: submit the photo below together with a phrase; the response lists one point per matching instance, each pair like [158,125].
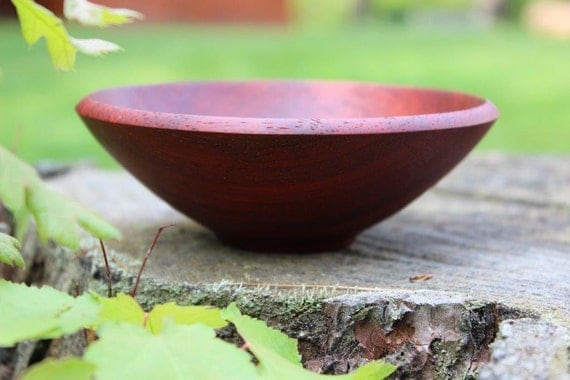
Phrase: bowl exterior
[286,192]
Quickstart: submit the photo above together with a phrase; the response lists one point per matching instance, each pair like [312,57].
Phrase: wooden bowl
[287,165]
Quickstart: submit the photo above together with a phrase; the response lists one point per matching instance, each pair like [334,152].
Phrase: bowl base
[285,245]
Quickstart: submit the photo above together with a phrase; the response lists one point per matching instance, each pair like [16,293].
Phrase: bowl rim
[90,108]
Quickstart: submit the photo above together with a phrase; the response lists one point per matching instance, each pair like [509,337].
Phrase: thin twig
[146,256]
[107,270]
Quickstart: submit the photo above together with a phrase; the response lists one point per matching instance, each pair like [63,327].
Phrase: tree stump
[470,280]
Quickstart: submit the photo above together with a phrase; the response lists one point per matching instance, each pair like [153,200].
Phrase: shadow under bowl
[287,165]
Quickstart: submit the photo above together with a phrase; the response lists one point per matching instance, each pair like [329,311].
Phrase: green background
[526,76]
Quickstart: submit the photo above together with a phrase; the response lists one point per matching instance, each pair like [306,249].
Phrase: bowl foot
[280,245]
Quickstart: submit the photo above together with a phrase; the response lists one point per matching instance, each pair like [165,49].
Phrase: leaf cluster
[171,341]
[57,218]
[38,22]
[21,190]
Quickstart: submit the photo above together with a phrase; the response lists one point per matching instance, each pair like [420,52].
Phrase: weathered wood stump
[494,235]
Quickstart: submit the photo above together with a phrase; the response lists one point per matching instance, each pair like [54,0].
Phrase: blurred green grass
[526,76]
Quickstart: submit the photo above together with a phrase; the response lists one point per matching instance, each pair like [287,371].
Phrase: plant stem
[107,270]
[146,256]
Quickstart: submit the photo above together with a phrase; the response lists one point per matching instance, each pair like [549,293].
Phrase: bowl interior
[283,100]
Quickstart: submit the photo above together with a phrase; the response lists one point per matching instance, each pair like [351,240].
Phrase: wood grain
[497,228]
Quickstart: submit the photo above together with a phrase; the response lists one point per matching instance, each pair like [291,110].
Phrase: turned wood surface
[496,228]
[286,166]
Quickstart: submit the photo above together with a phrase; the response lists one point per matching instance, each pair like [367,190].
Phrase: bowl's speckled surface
[287,165]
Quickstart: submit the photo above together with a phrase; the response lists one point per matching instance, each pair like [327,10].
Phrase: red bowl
[287,165]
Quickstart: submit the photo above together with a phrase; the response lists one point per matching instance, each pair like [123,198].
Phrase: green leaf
[258,335]
[52,215]
[124,308]
[15,177]
[183,315]
[372,371]
[22,220]
[66,369]
[42,313]
[126,351]
[274,367]
[10,251]
[277,353]
[37,22]
[87,13]
[57,218]
[121,308]
[94,46]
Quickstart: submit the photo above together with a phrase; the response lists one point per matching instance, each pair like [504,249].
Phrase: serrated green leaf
[93,224]
[183,315]
[257,334]
[126,351]
[37,22]
[42,313]
[10,251]
[66,369]
[121,308]
[91,14]
[57,218]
